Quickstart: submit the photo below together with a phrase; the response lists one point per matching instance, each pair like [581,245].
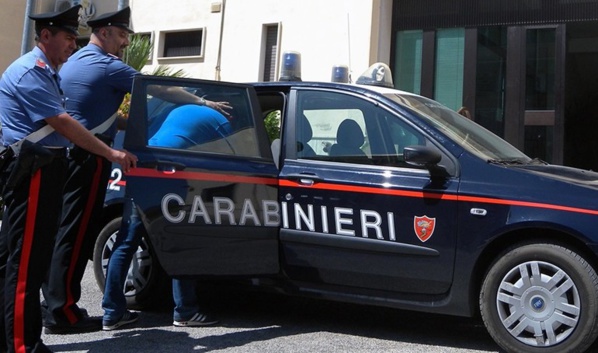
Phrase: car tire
[540,298]
[146,285]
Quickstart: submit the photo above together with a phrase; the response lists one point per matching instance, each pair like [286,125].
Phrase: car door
[353,212]
[206,192]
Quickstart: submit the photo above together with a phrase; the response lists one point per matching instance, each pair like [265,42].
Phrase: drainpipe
[27,27]
[220,41]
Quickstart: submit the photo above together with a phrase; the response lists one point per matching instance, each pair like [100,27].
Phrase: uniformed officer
[30,98]
[95,80]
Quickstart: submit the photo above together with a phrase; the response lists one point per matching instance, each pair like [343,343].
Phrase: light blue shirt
[30,93]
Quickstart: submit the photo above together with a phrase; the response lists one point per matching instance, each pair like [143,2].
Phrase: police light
[340,73]
[291,66]
[377,75]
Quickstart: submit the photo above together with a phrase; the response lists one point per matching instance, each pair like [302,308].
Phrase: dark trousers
[33,201]
[81,219]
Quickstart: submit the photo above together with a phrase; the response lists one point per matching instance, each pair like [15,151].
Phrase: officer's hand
[220,106]
[126,159]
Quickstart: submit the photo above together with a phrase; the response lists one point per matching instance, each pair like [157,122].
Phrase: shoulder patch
[113,56]
[40,63]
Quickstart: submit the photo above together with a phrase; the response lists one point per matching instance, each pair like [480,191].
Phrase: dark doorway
[581,96]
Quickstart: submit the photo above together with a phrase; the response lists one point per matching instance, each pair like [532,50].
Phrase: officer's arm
[178,95]
[70,128]
[174,94]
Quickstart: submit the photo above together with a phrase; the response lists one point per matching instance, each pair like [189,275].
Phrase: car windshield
[466,133]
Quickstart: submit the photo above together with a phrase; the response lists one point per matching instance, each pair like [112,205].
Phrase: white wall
[11,30]
[355,33]
[326,33]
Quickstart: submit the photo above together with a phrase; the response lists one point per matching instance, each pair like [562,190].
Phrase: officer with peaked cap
[119,18]
[95,81]
[31,98]
[67,20]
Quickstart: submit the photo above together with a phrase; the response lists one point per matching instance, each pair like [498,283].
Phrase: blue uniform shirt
[30,93]
[95,83]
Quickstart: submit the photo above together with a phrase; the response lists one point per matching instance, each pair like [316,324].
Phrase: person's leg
[82,202]
[3,260]
[185,299]
[114,302]
[32,213]
[186,306]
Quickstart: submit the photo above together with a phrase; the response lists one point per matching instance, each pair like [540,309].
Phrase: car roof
[359,88]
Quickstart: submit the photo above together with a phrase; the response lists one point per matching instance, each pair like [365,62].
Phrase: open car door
[205,184]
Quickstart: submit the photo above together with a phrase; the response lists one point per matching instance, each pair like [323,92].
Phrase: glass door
[541,92]
[535,91]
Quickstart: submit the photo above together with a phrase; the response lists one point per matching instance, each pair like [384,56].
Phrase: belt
[106,139]
[59,151]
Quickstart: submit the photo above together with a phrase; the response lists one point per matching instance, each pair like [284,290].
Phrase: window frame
[163,44]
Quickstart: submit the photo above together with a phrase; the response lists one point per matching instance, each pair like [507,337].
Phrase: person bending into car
[30,99]
[186,126]
[95,81]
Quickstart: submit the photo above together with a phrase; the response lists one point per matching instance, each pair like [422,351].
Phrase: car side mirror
[421,156]
[424,156]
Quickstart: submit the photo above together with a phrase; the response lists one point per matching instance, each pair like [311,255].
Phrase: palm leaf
[138,51]
[136,55]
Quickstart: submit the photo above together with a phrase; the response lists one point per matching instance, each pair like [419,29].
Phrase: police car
[365,194]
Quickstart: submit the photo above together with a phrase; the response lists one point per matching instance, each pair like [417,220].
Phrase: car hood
[576,176]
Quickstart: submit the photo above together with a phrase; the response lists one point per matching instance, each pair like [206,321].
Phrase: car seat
[304,135]
[349,139]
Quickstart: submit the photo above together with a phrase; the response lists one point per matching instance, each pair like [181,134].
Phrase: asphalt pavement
[266,322]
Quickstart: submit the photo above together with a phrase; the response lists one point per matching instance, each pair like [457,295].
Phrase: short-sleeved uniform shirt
[95,84]
[29,93]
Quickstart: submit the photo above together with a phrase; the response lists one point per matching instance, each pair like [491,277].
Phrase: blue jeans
[127,241]
[185,299]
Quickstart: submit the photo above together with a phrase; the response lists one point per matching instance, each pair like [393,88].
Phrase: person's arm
[70,128]
[178,95]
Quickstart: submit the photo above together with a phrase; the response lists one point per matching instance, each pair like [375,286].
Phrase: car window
[348,129]
[465,132]
[198,128]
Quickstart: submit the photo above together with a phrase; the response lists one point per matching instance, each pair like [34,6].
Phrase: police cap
[67,20]
[119,19]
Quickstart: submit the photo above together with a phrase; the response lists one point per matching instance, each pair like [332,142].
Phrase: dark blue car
[366,194]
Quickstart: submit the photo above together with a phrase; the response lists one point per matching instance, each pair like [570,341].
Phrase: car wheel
[541,298]
[146,285]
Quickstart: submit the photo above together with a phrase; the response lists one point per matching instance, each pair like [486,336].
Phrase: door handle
[168,167]
[307,179]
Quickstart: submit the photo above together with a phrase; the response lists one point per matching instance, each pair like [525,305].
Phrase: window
[194,128]
[270,53]
[341,128]
[448,83]
[491,78]
[183,43]
[408,63]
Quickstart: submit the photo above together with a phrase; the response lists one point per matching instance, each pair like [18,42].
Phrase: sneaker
[127,318]
[198,319]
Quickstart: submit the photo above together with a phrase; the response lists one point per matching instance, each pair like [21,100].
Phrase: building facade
[525,69]
[239,40]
